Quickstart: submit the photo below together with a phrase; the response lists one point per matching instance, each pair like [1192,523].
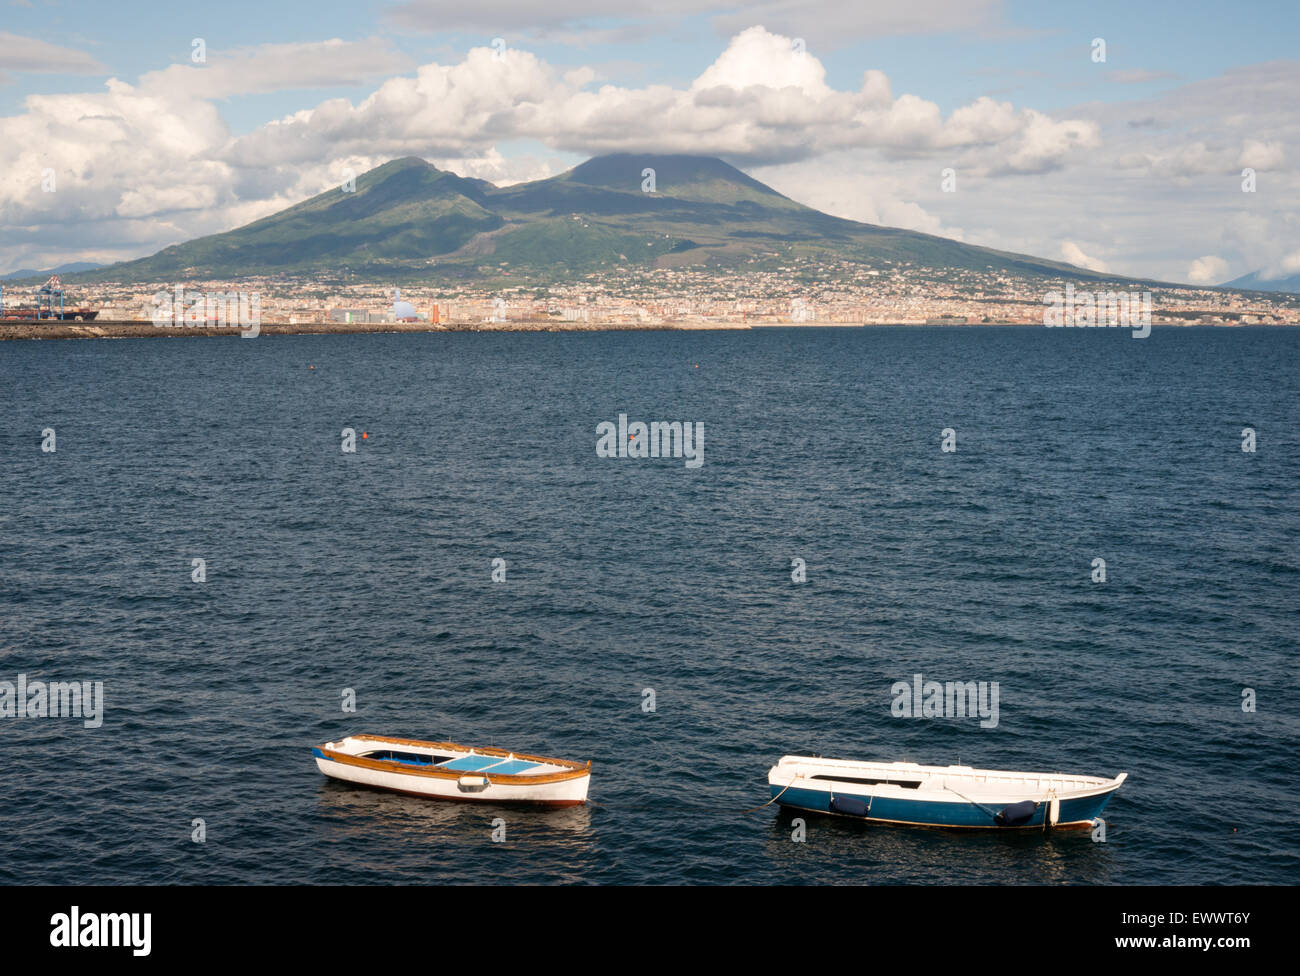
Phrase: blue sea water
[372,571]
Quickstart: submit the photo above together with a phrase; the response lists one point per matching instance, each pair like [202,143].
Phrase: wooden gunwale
[572,770]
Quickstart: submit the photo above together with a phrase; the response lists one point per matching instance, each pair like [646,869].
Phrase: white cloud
[1261,155]
[143,165]
[1282,267]
[1074,254]
[1047,144]
[761,101]
[277,67]
[1209,270]
[18,53]
[824,23]
[757,58]
[1139,76]
[984,121]
[852,186]
[834,22]
[1179,162]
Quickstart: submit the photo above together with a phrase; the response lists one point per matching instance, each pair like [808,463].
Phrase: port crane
[45,296]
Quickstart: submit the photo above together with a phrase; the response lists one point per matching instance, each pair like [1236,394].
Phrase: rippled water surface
[328,571]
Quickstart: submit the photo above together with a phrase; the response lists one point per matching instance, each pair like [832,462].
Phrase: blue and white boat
[939,796]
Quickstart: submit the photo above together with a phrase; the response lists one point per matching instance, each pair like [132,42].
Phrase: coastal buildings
[792,293]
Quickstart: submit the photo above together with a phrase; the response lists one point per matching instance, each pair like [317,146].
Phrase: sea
[475,571]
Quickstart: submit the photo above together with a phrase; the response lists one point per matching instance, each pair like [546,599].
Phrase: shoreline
[33,330]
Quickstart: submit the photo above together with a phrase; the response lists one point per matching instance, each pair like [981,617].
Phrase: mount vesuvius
[409,221]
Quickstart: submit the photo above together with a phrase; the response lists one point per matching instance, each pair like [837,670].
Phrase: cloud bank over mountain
[140,165]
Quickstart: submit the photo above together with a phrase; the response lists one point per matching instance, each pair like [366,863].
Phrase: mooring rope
[660,806]
[773,800]
[969,800]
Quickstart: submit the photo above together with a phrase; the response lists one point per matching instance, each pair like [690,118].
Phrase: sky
[1112,135]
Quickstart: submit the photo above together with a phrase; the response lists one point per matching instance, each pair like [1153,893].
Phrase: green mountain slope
[408,220]
[403,208]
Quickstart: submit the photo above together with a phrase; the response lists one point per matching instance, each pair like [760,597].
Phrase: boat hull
[556,783]
[955,797]
[1077,813]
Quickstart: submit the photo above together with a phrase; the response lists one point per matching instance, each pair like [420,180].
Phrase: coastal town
[799,293]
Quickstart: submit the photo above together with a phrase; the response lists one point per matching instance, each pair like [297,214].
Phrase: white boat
[447,771]
[939,796]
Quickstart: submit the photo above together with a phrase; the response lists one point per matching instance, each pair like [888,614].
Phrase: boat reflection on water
[352,813]
[888,855]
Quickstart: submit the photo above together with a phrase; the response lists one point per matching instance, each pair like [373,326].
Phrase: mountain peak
[404,162]
[705,179]
[1258,281]
[407,220]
